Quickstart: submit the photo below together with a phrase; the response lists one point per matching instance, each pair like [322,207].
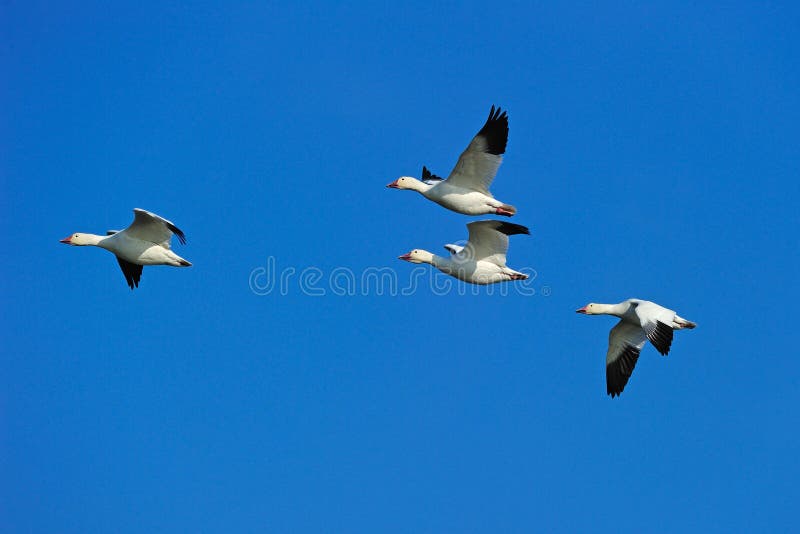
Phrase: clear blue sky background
[653,152]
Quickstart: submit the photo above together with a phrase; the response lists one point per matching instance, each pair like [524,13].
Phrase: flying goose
[145,242]
[640,320]
[466,190]
[482,260]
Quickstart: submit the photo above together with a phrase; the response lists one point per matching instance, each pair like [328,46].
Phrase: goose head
[417,256]
[589,309]
[406,182]
[78,240]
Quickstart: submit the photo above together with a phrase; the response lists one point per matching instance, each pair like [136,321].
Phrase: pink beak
[405,257]
[67,240]
[393,185]
[581,310]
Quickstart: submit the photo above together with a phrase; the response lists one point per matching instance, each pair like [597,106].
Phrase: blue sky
[653,152]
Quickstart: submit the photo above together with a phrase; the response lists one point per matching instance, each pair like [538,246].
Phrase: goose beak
[581,310]
[67,240]
[393,185]
[405,257]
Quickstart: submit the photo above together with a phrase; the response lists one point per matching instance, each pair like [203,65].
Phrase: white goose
[640,320]
[482,260]
[144,242]
[466,190]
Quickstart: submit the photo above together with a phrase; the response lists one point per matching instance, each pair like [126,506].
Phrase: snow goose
[640,320]
[144,242]
[466,190]
[482,260]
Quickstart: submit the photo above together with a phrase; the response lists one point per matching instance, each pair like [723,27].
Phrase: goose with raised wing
[640,321]
[482,260]
[466,190]
[145,242]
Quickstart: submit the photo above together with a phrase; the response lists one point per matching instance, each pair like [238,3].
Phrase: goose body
[466,190]
[640,321]
[482,260]
[145,242]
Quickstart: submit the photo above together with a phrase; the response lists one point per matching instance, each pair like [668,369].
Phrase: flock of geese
[481,261]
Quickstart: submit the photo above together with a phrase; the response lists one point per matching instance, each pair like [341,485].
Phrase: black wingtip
[512,229]
[132,282]
[661,337]
[131,271]
[178,233]
[620,370]
[495,131]
[429,176]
